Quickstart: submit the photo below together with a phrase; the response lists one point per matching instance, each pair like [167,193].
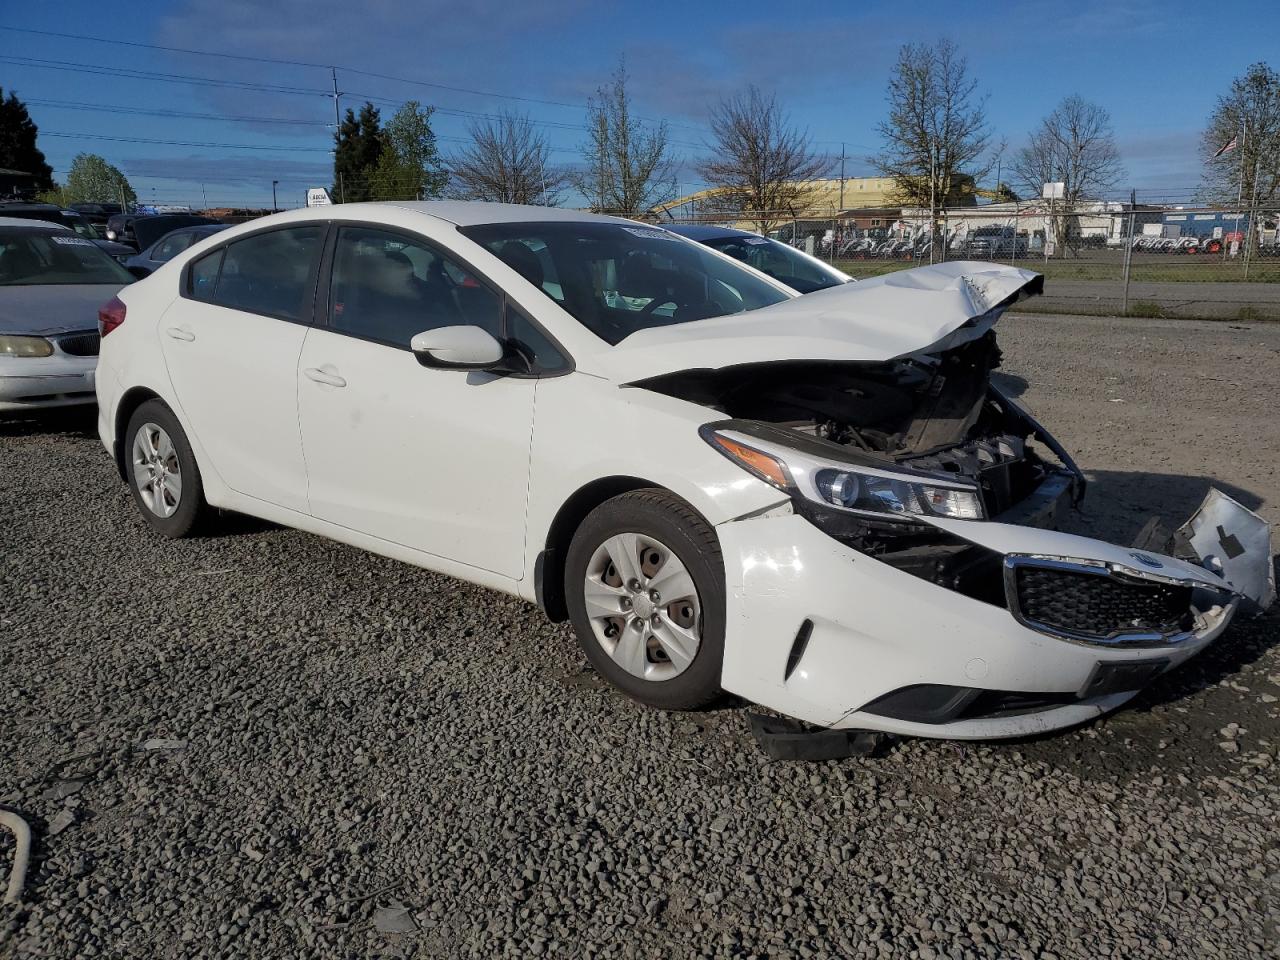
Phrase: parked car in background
[797,269]
[71,219]
[992,243]
[52,283]
[97,213]
[168,247]
[820,503]
[140,231]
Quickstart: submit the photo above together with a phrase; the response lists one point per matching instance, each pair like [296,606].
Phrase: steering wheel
[657,302]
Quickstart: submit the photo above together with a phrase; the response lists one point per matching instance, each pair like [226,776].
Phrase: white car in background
[52,283]
[818,503]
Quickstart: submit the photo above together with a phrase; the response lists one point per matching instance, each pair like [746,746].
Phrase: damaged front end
[924,464]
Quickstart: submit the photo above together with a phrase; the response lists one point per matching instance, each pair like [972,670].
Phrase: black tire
[192,510]
[665,517]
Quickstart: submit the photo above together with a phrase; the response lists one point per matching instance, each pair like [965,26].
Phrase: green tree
[92,180]
[1249,115]
[360,142]
[410,167]
[18,150]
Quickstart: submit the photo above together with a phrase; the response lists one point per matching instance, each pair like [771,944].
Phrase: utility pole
[842,176]
[274,208]
[337,130]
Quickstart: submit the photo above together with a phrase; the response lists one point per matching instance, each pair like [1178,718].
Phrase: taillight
[110,315]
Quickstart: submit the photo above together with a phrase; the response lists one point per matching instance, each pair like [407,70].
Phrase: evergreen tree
[18,149]
[359,145]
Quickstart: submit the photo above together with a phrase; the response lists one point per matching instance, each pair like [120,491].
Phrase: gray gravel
[263,744]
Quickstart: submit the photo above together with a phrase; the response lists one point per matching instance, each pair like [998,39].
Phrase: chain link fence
[1104,257]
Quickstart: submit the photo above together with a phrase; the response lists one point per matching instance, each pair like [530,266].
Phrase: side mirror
[139,271]
[457,348]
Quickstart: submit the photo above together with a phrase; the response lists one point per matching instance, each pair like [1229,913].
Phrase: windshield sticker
[72,241]
[755,240]
[649,234]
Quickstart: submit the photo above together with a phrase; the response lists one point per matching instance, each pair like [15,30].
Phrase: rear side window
[268,273]
[204,276]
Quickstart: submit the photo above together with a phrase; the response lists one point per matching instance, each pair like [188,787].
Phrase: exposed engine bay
[935,413]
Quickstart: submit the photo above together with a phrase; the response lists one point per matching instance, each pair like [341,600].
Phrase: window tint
[204,276]
[268,272]
[619,278]
[387,287]
[171,246]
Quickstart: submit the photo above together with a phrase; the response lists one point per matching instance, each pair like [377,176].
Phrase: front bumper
[820,632]
[34,383]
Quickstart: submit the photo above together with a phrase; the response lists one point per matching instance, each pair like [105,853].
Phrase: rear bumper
[875,630]
[33,383]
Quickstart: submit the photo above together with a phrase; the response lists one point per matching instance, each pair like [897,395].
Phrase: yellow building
[821,198]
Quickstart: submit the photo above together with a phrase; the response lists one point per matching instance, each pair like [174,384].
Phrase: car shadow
[79,421]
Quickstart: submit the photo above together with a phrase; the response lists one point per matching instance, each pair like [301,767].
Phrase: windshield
[780,261]
[33,256]
[616,279]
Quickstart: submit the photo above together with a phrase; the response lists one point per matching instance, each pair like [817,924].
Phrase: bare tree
[759,162]
[627,169]
[1076,146]
[506,162]
[936,131]
[1241,144]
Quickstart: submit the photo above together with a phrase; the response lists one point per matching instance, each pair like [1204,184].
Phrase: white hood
[910,311]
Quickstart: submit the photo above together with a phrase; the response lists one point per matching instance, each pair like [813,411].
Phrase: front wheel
[645,589]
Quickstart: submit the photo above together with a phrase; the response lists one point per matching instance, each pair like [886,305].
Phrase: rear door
[231,343]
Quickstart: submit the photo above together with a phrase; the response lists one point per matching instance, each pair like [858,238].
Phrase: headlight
[856,488]
[25,347]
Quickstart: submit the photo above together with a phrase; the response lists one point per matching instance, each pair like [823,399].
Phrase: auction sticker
[649,234]
[72,241]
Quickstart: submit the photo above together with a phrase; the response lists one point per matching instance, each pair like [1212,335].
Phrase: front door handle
[323,376]
[178,333]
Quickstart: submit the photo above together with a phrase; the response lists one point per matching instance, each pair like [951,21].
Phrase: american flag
[1229,145]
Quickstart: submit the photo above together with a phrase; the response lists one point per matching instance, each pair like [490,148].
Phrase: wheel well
[549,569]
[131,401]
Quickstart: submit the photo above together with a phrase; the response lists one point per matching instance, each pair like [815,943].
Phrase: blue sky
[1156,66]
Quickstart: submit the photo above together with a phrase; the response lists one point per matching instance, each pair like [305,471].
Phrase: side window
[388,287]
[171,246]
[204,276]
[268,272]
[543,355]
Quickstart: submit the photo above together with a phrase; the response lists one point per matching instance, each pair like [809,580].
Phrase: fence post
[1128,254]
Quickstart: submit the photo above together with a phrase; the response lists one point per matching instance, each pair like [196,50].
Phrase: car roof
[472,213]
[702,231]
[33,224]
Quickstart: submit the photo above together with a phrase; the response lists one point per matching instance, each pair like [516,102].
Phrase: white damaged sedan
[818,503]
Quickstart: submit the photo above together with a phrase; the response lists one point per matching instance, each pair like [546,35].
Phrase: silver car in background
[52,282]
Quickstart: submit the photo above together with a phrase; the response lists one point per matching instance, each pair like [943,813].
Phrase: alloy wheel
[156,470]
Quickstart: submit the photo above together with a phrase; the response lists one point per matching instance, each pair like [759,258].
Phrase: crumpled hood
[911,311]
[53,308]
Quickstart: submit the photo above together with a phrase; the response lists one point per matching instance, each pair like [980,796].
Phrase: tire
[179,513]
[661,522]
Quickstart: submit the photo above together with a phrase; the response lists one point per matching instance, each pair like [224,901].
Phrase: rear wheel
[162,471]
[645,585]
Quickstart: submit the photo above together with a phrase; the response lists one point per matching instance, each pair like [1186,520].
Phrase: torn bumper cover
[836,637]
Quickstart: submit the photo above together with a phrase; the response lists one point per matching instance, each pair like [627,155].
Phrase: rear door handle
[322,376]
[178,333]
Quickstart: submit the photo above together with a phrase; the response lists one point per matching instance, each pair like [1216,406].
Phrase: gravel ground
[261,744]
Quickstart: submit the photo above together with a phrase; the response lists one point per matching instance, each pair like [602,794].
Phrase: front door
[436,460]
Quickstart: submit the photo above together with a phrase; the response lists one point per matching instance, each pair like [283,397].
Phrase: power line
[127,73]
[303,63]
[176,114]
